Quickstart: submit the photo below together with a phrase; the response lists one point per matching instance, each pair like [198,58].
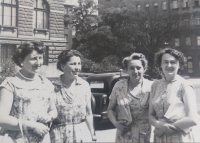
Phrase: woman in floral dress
[73,102]
[129,101]
[171,93]
[27,98]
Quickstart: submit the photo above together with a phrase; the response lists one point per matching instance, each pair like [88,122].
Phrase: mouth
[75,72]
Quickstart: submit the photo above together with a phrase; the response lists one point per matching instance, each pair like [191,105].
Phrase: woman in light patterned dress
[73,102]
[27,98]
[172,88]
[129,101]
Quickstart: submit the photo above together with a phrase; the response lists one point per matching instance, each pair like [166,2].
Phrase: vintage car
[101,87]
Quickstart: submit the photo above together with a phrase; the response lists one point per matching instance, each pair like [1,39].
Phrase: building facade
[32,20]
[189,43]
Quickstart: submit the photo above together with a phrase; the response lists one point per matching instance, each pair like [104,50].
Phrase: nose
[169,64]
[39,61]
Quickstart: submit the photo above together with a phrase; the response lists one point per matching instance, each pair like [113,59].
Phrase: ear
[21,62]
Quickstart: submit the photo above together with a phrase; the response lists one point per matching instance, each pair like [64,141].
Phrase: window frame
[176,42]
[164,5]
[12,6]
[174,4]
[44,11]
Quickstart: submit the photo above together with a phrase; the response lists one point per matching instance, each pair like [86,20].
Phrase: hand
[94,138]
[41,129]
[121,125]
[44,118]
[167,128]
[158,132]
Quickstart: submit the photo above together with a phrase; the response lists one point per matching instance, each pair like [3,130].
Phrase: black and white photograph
[83,71]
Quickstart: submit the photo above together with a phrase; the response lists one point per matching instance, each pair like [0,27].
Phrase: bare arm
[89,120]
[6,121]
[191,108]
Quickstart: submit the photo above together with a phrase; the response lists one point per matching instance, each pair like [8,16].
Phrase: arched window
[8,10]
[41,15]
[189,64]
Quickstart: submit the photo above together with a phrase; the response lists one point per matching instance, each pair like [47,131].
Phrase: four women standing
[172,105]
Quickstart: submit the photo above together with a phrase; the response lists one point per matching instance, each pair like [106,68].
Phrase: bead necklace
[31,79]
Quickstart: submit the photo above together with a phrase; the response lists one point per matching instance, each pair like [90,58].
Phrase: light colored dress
[138,105]
[29,101]
[163,94]
[71,110]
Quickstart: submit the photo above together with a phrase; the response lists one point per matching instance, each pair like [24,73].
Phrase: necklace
[31,79]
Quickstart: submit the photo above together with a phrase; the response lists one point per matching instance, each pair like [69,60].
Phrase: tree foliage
[122,30]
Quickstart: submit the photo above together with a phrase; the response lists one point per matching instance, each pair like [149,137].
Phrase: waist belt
[73,122]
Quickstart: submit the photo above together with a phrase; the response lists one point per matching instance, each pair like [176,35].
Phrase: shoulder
[147,85]
[121,83]
[46,81]
[184,83]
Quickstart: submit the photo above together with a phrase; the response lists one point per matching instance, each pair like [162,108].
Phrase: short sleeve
[88,93]
[113,95]
[7,85]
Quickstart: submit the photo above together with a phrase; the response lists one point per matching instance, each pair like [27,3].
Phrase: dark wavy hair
[26,48]
[64,57]
[175,53]
[135,56]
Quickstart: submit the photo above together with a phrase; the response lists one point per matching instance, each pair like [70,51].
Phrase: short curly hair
[26,48]
[135,56]
[175,53]
[64,57]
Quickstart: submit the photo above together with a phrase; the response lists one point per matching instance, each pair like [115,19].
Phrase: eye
[138,68]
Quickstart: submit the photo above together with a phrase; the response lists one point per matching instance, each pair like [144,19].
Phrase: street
[106,132]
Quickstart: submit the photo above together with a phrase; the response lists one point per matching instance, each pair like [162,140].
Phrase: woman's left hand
[44,118]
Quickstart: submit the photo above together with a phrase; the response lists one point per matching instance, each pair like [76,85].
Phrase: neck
[134,83]
[169,78]
[67,80]
[27,74]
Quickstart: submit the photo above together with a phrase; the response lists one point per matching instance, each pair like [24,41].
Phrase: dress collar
[59,81]
[171,81]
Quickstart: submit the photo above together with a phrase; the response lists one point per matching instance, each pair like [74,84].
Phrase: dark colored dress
[70,125]
[138,105]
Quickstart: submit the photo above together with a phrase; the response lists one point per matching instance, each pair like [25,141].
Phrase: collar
[58,81]
[173,80]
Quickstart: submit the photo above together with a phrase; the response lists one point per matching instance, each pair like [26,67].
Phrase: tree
[122,30]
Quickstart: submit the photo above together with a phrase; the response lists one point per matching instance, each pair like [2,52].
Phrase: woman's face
[72,67]
[32,62]
[135,70]
[169,65]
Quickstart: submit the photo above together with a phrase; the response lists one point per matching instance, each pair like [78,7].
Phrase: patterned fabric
[163,93]
[140,128]
[29,101]
[71,108]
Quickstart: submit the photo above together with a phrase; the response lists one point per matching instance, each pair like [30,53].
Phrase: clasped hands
[165,128]
[123,126]
[40,127]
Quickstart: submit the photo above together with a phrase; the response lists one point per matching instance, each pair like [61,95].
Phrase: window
[40,15]
[155,5]
[185,3]
[8,10]
[138,7]
[188,41]
[177,42]
[6,52]
[174,4]
[189,64]
[198,40]
[164,5]
[147,6]
[197,21]
[187,22]
[196,3]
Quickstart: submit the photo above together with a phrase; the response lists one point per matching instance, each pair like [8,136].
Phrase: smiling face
[169,65]
[32,62]
[72,67]
[135,70]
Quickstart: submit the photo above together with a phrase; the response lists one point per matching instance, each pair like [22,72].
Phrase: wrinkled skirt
[68,133]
